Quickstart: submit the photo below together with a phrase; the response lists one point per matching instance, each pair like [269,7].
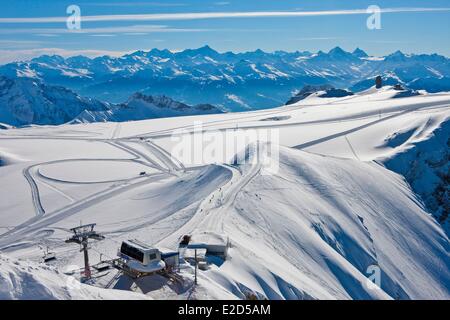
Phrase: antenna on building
[81,236]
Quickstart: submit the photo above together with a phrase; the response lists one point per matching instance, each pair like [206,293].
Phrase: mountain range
[25,101]
[231,81]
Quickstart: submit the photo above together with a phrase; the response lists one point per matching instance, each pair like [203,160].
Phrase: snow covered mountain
[25,101]
[426,166]
[317,226]
[140,106]
[236,81]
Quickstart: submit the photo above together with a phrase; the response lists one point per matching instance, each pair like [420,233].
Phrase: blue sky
[33,27]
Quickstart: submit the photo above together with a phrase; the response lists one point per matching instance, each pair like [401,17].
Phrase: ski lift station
[213,244]
[139,259]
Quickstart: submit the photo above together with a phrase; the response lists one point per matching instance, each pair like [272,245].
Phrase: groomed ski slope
[309,230]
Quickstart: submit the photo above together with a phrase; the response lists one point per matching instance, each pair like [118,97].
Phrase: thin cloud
[135,4]
[135,33]
[135,29]
[317,38]
[47,35]
[103,35]
[388,41]
[215,15]
[19,44]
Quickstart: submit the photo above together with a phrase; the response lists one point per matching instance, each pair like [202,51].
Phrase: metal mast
[81,236]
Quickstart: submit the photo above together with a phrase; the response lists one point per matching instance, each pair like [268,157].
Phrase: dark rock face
[327,92]
[307,91]
[336,93]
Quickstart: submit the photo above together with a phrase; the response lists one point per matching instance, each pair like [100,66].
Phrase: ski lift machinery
[48,255]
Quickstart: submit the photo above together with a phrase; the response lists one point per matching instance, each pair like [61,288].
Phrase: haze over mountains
[232,81]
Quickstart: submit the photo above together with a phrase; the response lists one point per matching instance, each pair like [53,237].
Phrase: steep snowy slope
[426,166]
[316,227]
[26,101]
[26,280]
[362,211]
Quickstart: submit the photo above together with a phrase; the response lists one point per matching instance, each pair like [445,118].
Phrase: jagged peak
[359,53]
[337,51]
[396,54]
[205,50]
